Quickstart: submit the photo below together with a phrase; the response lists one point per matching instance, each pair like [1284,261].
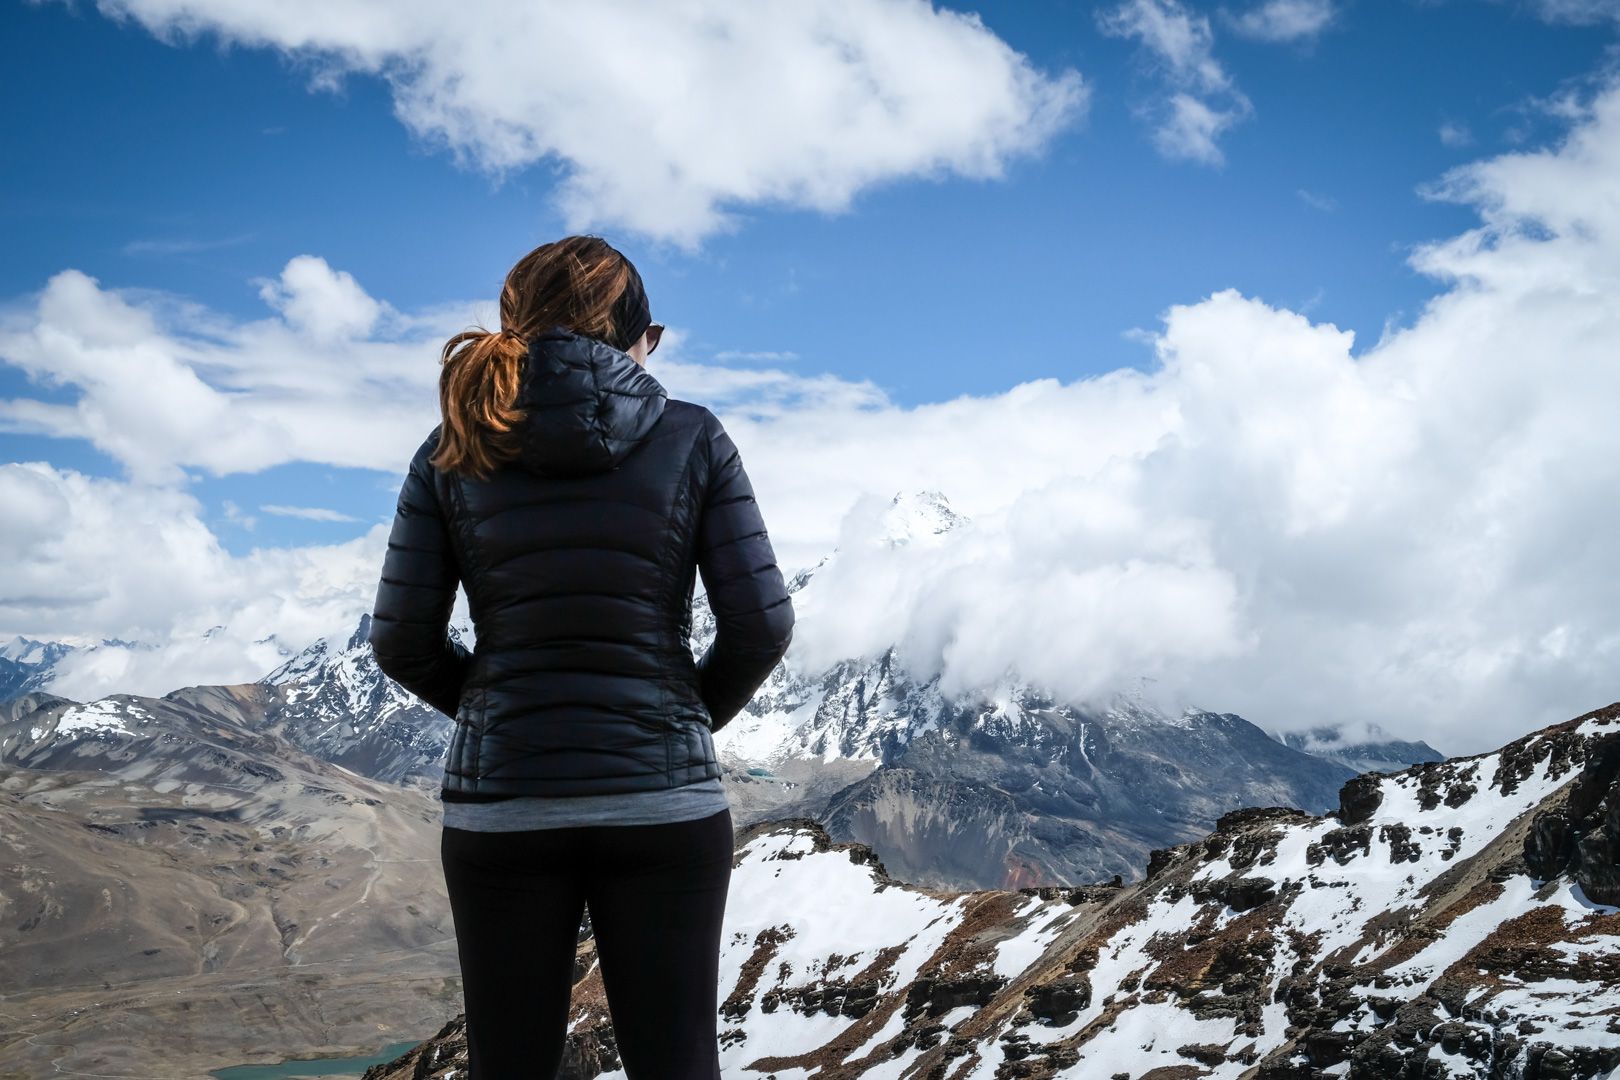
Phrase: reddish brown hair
[571,282]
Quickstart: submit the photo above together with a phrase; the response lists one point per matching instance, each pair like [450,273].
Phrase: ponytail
[478,384]
[579,282]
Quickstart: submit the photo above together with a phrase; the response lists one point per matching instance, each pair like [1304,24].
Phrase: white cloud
[1420,535]
[758,356]
[235,515]
[326,304]
[308,513]
[1192,126]
[1578,12]
[1284,20]
[1320,202]
[1204,101]
[336,377]
[668,117]
[182,245]
[1454,134]
[1177,36]
[89,558]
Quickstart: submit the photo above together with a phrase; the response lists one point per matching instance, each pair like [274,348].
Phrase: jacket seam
[465,554]
[671,576]
[597,422]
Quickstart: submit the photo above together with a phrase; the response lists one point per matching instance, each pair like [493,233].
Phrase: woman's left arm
[411,619]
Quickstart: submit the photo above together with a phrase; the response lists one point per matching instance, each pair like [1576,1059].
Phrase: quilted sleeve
[410,620]
[753,613]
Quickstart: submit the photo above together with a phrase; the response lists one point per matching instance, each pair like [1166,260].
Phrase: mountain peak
[917,516]
[21,649]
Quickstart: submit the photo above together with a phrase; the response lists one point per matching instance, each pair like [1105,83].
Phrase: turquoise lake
[351,1066]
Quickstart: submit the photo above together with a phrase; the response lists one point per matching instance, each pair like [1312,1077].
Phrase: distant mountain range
[1025,882]
[1382,755]
[998,788]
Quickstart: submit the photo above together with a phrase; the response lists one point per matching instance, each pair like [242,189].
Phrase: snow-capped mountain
[1001,787]
[997,788]
[212,735]
[1454,919]
[869,709]
[27,665]
[337,704]
[1007,786]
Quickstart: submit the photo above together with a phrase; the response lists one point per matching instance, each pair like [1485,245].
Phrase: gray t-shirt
[684,803]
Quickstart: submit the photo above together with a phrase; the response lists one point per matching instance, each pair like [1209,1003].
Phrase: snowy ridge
[23,650]
[338,675]
[1409,933]
[119,714]
[27,665]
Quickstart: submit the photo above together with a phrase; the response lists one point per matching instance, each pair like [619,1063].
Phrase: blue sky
[195,168]
[183,172]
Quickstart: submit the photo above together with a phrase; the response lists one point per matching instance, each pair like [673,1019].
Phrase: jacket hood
[589,405]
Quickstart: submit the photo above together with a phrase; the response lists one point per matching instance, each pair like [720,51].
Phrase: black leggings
[657,894]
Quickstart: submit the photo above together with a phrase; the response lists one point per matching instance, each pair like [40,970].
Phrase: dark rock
[1160,860]
[1582,837]
[936,996]
[1341,845]
[1240,894]
[1059,1001]
[1402,848]
[1359,798]
[1211,1054]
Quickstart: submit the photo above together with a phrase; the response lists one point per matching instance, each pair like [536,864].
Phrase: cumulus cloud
[1204,101]
[333,376]
[1418,536]
[1268,522]
[89,559]
[689,112]
[325,304]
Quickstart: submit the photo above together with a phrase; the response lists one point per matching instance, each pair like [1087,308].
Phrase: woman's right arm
[753,613]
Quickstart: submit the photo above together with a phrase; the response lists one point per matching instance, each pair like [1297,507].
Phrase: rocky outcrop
[1581,838]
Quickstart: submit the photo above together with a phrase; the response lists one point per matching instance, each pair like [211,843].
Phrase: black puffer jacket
[579,566]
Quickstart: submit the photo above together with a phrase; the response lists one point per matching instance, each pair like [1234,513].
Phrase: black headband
[631,312]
